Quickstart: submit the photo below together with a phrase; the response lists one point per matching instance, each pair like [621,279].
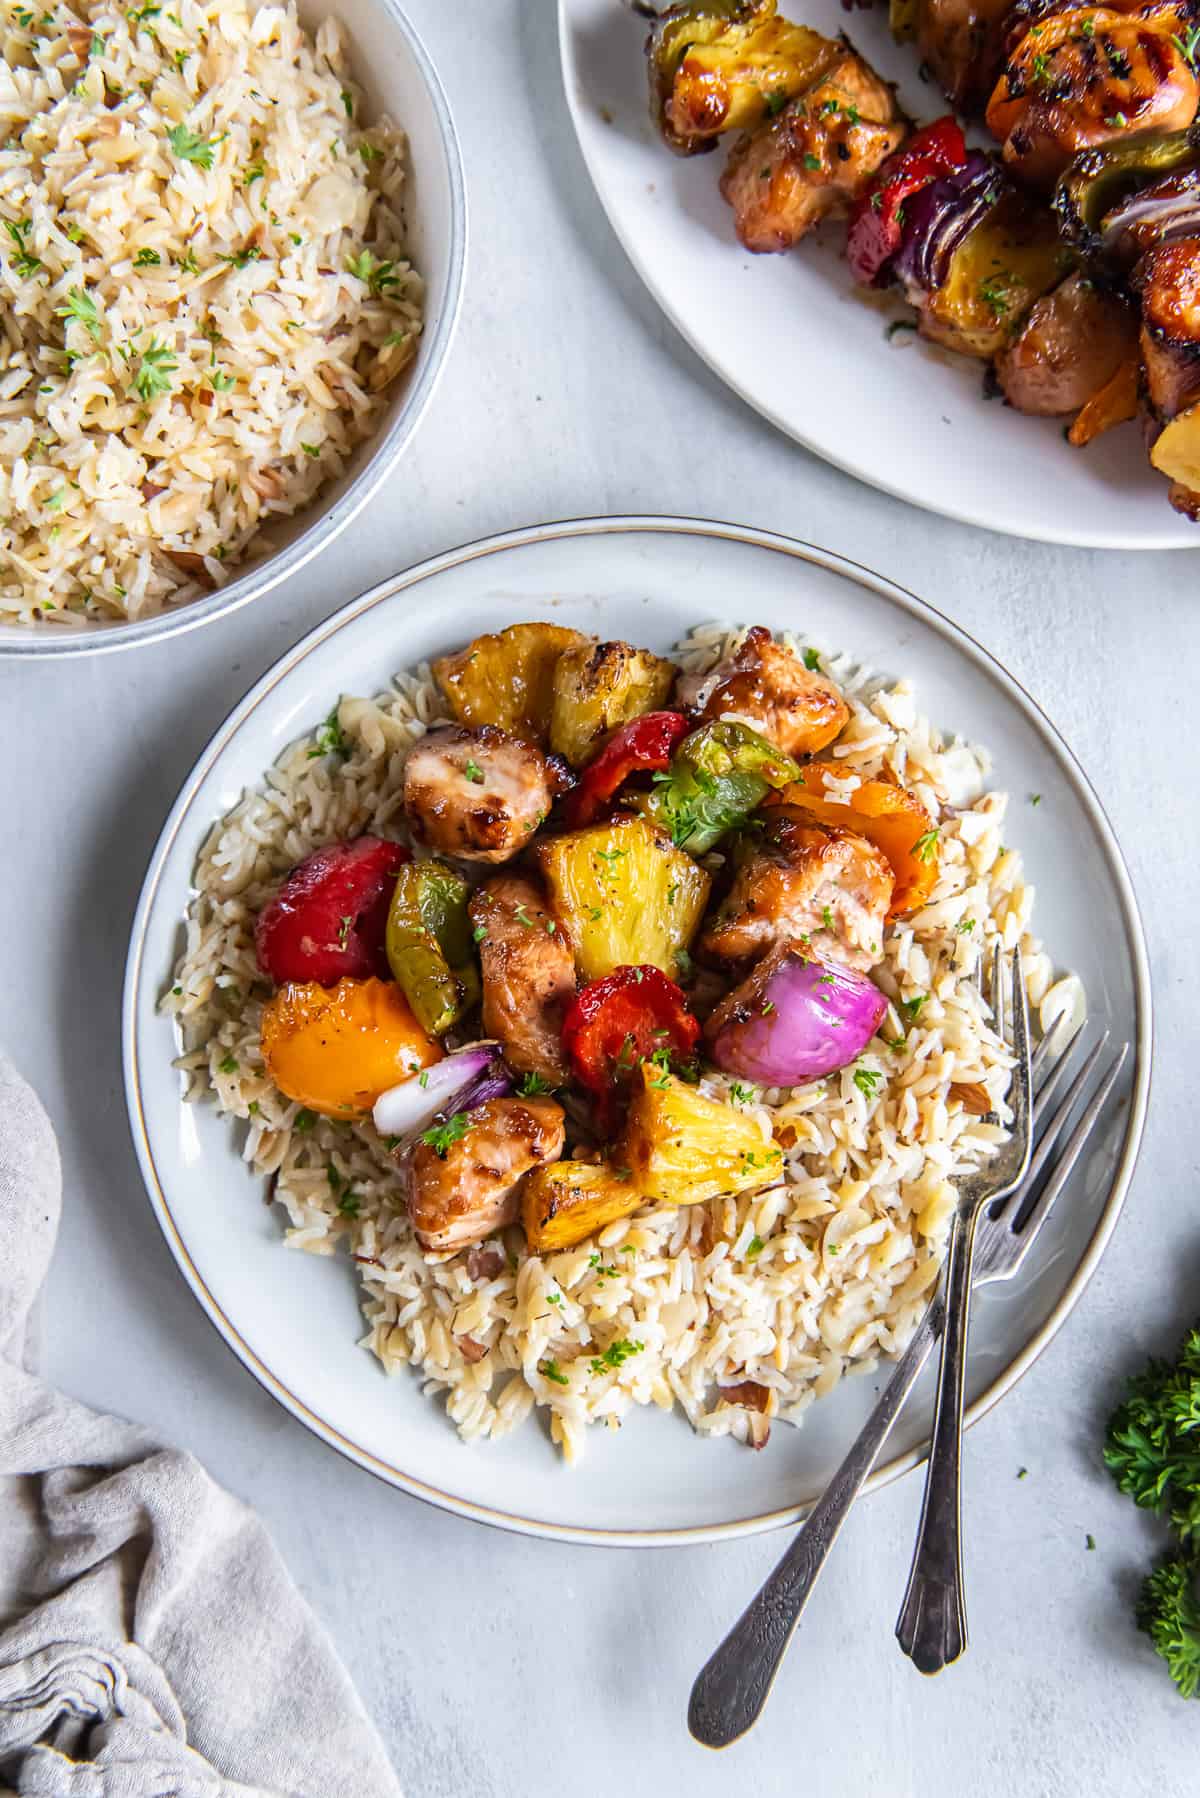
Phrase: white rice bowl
[206,296]
[789,1288]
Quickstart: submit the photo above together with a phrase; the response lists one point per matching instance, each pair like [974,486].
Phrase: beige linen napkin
[152,1644]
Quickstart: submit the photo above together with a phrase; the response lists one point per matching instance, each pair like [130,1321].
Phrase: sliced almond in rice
[972,1095]
[748,1393]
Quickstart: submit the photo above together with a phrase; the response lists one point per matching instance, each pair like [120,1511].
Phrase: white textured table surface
[495,1665]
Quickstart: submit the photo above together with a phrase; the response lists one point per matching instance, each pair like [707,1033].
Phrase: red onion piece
[467,1078]
[939,217]
[794,1019]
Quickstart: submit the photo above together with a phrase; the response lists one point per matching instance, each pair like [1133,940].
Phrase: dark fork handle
[932,1627]
[735,1684]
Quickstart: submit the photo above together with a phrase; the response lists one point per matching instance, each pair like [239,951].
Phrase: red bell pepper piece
[619,1021]
[328,921]
[644,745]
[877,221]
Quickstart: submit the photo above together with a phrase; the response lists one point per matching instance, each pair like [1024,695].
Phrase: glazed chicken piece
[799,711]
[829,889]
[528,974]
[479,794]
[464,1194]
[962,44]
[1168,279]
[814,157]
[1081,78]
[1070,346]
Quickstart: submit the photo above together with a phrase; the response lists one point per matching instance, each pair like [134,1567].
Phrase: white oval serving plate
[796,338]
[293,1319]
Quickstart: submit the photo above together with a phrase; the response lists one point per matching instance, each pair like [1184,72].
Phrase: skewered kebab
[1085,307]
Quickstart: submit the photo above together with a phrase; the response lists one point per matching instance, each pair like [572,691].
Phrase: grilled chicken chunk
[962,44]
[461,1196]
[1081,78]
[479,794]
[814,157]
[801,883]
[800,712]
[1168,280]
[1070,345]
[528,975]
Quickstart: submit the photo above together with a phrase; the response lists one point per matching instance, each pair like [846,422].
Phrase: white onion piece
[416,1102]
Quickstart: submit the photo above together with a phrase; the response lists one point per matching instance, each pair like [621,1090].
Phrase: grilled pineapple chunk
[624,895]
[598,686]
[507,679]
[1001,267]
[683,1148]
[563,1203]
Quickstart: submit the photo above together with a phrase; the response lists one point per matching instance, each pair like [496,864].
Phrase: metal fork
[932,1626]
[733,1687]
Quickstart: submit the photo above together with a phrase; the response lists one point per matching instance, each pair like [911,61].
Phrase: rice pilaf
[206,294]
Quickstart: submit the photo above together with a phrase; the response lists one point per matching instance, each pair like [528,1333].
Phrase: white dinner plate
[799,341]
[293,1319]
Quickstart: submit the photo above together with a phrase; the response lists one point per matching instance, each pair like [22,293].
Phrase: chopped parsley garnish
[827,917]
[743,1095]
[913,1006]
[222,382]
[523,918]
[811,161]
[377,275]
[994,292]
[479,934]
[348,1202]
[229,1065]
[965,926]
[616,1355]
[442,1137]
[533,1084]
[23,261]
[550,1370]
[348,103]
[243,258]
[754,1248]
[330,739]
[1022,1473]
[304,1121]
[1185,46]
[1089,1541]
[925,847]
[345,926]
[157,365]
[474,772]
[1035,799]
[189,148]
[812,660]
[866,1080]
[147,259]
